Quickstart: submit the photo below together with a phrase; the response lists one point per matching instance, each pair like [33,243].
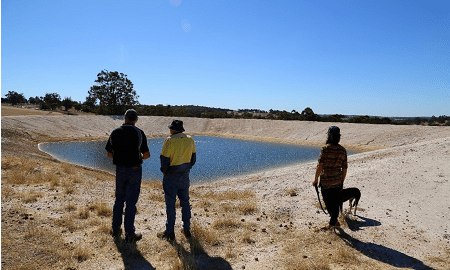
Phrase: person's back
[178,154]
[177,158]
[127,146]
[126,143]
[334,160]
[332,170]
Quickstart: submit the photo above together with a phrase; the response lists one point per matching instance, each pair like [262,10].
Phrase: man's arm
[193,159]
[165,164]
[318,172]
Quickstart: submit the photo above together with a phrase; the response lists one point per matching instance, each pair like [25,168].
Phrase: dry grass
[205,235]
[84,212]
[67,168]
[58,216]
[16,177]
[53,180]
[82,253]
[226,224]
[8,110]
[228,195]
[30,196]
[102,208]
[292,192]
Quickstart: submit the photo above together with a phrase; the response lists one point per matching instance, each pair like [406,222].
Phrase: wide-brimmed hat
[131,115]
[177,125]
[334,130]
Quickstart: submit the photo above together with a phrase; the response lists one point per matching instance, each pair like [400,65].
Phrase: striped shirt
[333,159]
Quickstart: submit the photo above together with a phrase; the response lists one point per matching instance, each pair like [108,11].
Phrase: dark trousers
[331,197]
[128,187]
[177,185]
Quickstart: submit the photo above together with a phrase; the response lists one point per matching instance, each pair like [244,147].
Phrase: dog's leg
[350,204]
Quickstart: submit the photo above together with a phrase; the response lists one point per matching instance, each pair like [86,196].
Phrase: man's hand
[315,182]
[110,155]
[146,155]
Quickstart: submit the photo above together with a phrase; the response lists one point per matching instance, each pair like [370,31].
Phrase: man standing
[177,158]
[127,146]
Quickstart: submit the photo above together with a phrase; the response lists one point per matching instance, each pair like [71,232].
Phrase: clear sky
[371,57]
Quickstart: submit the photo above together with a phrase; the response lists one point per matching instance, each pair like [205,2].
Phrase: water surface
[217,157]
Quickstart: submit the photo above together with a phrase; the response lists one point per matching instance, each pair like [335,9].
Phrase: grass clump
[30,196]
[101,208]
[205,235]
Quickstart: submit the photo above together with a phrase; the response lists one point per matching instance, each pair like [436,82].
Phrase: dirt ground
[57,215]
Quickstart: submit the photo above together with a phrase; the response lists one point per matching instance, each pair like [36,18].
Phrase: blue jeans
[128,187]
[177,185]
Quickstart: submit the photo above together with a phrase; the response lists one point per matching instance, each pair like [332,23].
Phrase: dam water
[217,157]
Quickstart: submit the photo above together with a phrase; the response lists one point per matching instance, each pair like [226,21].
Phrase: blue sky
[384,58]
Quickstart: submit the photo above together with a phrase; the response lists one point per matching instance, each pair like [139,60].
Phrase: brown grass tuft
[31,196]
[81,253]
[292,192]
[204,234]
[70,206]
[16,177]
[229,195]
[68,222]
[53,180]
[226,223]
[101,208]
[84,212]
[67,168]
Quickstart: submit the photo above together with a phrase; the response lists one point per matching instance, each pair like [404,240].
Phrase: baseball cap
[334,130]
[131,115]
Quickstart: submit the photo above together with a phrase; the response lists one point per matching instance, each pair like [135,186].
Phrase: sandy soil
[403,175]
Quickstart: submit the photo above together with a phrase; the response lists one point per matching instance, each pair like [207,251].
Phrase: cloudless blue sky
[374,57]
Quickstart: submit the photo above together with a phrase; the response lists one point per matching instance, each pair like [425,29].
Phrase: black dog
[350,194]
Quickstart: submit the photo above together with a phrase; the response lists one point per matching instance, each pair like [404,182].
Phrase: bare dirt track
[402,223]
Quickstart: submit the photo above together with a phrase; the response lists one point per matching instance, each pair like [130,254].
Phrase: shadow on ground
[197,258]
[360,222]
[383,254]
[131,256]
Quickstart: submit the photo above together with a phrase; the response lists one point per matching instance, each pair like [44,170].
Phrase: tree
[51,100]
[67,103]
[308,114]
[15,98]
[34,100]
[113,92]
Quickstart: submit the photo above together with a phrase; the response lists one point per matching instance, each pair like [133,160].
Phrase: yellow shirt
[178,149]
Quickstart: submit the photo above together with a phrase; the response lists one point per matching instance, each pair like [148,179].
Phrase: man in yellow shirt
[177,158]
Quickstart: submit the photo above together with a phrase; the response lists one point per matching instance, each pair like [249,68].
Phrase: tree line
[113,94]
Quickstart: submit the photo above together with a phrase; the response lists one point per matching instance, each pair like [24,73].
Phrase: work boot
[134,238]
[167,236]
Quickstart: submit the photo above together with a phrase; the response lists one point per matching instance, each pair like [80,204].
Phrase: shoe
[187,234]
[167,236]
[136,237]
[326,228]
